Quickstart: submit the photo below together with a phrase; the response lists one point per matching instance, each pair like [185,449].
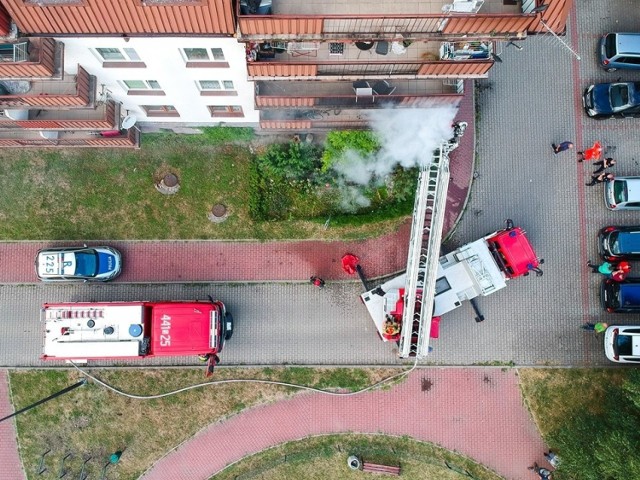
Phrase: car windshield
[86,264]
[619,191]
[614,244]
[623,344]
[619,95]
[612,295]
[610,45]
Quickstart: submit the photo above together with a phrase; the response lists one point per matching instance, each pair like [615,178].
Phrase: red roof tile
[131,17]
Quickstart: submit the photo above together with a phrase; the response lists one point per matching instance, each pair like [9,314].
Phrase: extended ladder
[424,252]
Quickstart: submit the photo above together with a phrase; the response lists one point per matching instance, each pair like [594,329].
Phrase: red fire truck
[478,268]
[121,330]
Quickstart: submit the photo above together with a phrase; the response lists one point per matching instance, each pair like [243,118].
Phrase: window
[216,88]
[143,87]
[203,57]
[226,111]
[119,57]
[160,110]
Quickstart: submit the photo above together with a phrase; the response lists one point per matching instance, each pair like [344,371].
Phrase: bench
[378,468]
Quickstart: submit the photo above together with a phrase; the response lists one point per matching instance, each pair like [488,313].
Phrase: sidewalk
[10,464]
[478,413]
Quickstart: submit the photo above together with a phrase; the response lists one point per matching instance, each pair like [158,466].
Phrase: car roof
[629,240]
[628,43]
[633,188]
[634,332]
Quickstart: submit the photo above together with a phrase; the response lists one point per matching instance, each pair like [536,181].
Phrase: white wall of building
[166,64]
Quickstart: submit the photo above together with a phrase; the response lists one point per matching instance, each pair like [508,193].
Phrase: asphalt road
[532,98]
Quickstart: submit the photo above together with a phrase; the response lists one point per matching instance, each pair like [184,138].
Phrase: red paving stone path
[476,412]
[217,261]
[10,464]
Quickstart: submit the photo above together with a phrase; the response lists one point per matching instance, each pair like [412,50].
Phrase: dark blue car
[607,100]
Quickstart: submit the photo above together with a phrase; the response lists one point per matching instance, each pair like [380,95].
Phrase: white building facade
[172,81]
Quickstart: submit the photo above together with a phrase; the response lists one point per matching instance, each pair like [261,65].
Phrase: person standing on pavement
[592,153]
[552,458]
[604,164]
[620,271]
[600,178]
[605,268]
[561,147]
[317,281]
[543,473]
[595,327]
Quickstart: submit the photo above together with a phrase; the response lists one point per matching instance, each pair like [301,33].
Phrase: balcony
[104,117]
[31,58]
[362,19]
[287,105]
[352,60]
[68,139]
[73,91]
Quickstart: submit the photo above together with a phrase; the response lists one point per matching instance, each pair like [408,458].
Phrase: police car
[82,264]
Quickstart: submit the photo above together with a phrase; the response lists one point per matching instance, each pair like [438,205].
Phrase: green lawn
[325,458]
[93,421]
[88,194]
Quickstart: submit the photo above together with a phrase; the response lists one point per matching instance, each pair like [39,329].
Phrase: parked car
[620,297]
[78,264]
[622,343]
[607,100]
[617,243]
[623,193]
[620,50]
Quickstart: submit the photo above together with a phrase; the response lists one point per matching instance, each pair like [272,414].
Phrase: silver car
[622,343]
[78,264]
[622,193]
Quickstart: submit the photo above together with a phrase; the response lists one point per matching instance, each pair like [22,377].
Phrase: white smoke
[408,137]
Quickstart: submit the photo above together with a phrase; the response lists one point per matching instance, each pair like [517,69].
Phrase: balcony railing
[349,71]
[68,139]
[36,58]
[415,19]
[105,117]
[53,94]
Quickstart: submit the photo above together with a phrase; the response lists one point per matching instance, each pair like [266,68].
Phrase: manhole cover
[218,213]
[219,210]
[170,180]
[168,184]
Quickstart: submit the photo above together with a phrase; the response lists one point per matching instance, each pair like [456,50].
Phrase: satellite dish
[129,121]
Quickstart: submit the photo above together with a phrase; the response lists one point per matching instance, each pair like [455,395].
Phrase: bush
[293,161]
[361,141]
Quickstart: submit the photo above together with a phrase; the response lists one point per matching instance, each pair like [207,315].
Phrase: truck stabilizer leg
[362,279]
[479,317]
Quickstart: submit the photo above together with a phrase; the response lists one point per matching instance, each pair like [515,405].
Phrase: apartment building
[323,64]
[94,72]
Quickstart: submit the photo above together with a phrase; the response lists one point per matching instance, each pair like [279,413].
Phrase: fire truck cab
[119,330]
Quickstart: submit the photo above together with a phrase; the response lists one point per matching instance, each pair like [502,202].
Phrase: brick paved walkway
[10,464]
[476,412]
